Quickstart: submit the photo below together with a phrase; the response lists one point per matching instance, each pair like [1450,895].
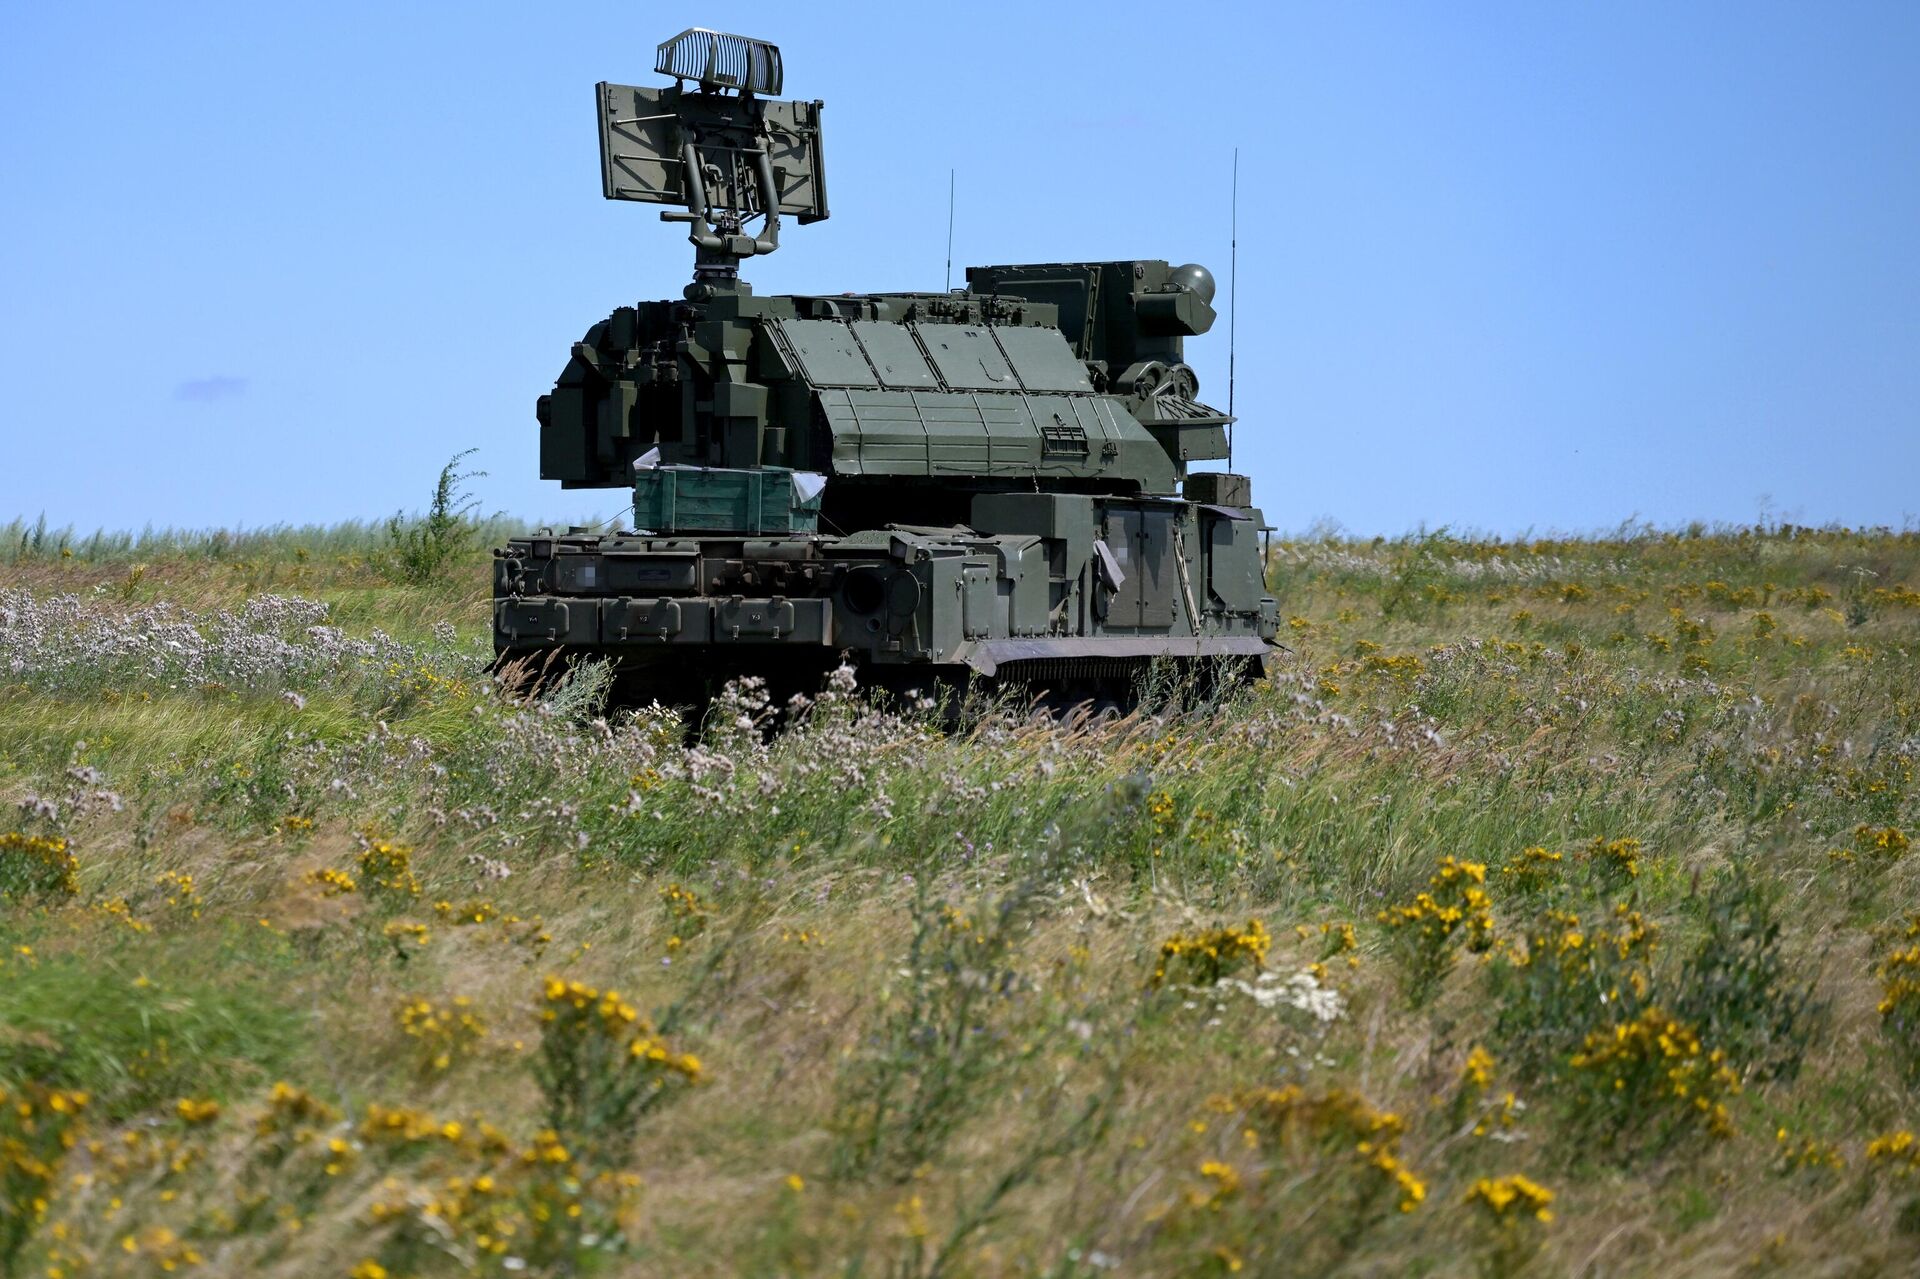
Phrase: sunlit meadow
[1551,909]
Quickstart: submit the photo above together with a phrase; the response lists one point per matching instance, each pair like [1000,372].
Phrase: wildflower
[1303,992]
[1404,668]
[654,1052]
[443,1032]
[477,911]
[388,867]
[1618,859]
[163,1247]
[1886,842]
[1897,1151]
[118,909]
[1499,1117]
[602,1064]
[1455,906]
[1161,814]
[340,1155]
[1213,952]
[1898,971]
[181,894]
[1656,1059]
[398,1124]
[1413,1191]
[1807,1152]
[331,882]
[38,1126]
[1293,1123]
[1531,870]
[1341,940]
[293,1110]
[37,865]
[913,1216]
[197,1112]
[686,914]
[403,934]
[1506,1198]
[547,1149]
[1225,1179]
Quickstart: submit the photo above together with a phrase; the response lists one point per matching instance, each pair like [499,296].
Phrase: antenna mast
[949,231]
[1233,295]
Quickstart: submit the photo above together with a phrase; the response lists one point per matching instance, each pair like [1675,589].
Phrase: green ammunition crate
[676,499]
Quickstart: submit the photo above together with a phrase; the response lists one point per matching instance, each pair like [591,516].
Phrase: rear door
[1141,540]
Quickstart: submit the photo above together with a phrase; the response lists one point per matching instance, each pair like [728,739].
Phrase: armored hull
[1076,596]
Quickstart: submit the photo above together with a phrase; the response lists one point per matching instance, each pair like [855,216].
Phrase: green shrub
[1565,978]
[36,866]
[936,1056]
[1426,933]
[1735,983]
[1898,971]
[601,1067]
[1639,1084]
[418,549]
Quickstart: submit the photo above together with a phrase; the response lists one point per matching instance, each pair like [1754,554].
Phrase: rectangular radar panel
[643,134]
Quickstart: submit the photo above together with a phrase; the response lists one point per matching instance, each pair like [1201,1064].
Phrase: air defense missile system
[984,486]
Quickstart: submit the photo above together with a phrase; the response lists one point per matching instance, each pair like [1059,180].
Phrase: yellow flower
[1900,1152]
[913,1214]
[1225,1179]
[197,1112]
[1214,952]
[331,882]
[1507,1198]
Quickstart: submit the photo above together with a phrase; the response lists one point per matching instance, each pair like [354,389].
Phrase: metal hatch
[1043,359]
[968,358]
[895,355]
[828,353]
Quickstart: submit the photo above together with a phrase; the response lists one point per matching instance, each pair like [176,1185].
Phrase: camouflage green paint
[1000,470]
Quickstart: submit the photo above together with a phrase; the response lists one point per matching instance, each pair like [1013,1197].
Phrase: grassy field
[1549,910]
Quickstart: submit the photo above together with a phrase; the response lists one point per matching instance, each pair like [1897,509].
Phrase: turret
[1068,377]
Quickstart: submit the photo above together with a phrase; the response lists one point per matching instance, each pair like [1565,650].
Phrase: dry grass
[917,973]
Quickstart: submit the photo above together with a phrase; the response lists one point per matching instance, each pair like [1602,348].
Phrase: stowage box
[723,500]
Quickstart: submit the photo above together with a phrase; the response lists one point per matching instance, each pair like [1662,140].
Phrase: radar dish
[721,61]
[643,135]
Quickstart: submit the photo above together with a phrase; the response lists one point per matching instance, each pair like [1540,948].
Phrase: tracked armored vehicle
[983,486]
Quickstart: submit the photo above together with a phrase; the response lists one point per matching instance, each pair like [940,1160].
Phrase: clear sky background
[1505,267]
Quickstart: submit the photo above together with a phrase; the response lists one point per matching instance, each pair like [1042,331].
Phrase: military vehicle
[982,486]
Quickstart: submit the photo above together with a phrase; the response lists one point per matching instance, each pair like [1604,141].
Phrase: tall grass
[1025,997]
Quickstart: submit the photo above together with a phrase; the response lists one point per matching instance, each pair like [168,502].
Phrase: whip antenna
[1233,294]
[949,230]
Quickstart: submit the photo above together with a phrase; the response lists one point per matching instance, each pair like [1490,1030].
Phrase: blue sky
[1504,267]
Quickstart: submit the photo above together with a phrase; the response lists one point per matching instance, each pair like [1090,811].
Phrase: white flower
[1300,992]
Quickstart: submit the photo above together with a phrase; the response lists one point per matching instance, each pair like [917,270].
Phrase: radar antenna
[716,144]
